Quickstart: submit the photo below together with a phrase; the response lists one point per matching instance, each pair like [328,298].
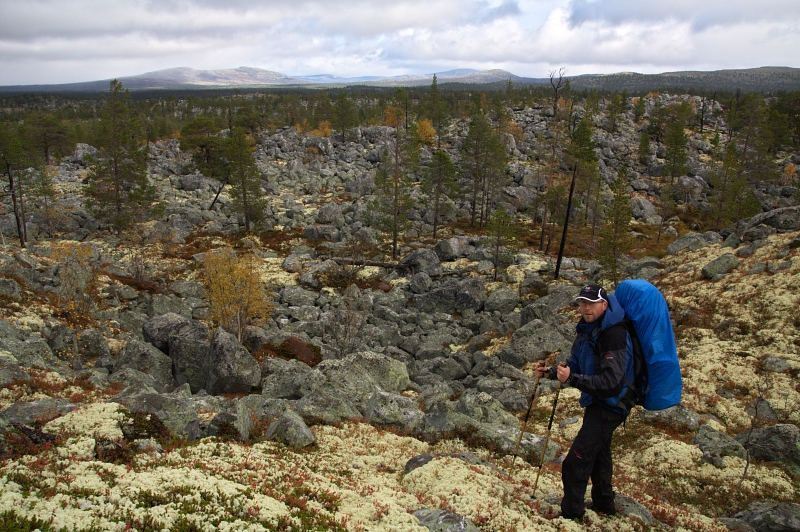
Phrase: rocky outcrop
[231,367]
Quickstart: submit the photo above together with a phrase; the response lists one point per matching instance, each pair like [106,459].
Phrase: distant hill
[764,79]
[178,78]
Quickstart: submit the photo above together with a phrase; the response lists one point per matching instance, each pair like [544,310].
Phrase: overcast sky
[63,41]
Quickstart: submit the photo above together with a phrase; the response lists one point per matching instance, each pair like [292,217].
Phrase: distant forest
[57,121]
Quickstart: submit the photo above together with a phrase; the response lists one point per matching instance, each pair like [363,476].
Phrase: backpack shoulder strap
[638,389]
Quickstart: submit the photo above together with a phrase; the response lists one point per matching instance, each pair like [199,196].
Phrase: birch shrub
[237,295]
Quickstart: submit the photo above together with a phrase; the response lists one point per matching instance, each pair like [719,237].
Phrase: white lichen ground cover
[354,479]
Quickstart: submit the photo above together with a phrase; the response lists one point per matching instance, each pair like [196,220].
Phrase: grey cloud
[700,15]
[509,8]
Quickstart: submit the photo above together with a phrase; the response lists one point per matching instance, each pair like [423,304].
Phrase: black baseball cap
[593,293]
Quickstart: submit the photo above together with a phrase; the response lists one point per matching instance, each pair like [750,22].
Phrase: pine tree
[44,190]
[615,239]
[483,163]
[640,108]
[393,180]
[439,184]
[49,134]
[436,111]
[644,147]
[202,139]
[344,114]
[15,158]
[675,139]
[502,231]
[118,190]
[245,178]
[730,199]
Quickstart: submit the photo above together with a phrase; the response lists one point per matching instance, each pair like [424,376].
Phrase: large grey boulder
[318,405]
[35,352]
[315,233]
[11,372]
[30,412]
[453,248]
[502,300]
[484,408]
[92,344]
[390,374]
[632,508]
[447,421]
[423,260]
[147,359]
[385,408]
[772,517]
[546,307]
[453,296]
[757,232]
[10,289]
[693,241]
[232,369]
[130,377]
[331,214]
[348,381]
[187,289]
[284,379]
[420,283]
[722,265]
[470,458]
[504,438]
[291,430]
[158,330]
[161,304]
[177,411]
[642,209]
[448,368]
[437,520]
[644,268]
[713,441]
[531,445]
[514,395]
[678,417]
[535,341]
[310,277]
[778,443]
[189,351]
[783,219]
[296,296]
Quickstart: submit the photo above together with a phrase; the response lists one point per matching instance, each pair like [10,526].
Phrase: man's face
[592,311]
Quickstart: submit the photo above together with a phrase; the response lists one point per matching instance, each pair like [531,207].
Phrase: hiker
[601,361]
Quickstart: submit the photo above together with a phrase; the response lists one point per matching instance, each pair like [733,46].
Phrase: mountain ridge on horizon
[761,79]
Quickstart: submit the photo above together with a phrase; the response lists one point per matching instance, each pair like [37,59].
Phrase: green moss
[142,425]
[11,522]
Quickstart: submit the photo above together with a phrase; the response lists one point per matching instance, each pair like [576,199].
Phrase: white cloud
[47,41]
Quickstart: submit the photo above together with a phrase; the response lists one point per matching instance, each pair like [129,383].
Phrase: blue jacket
[601,359]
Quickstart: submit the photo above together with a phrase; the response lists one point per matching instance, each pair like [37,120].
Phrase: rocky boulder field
[386,395]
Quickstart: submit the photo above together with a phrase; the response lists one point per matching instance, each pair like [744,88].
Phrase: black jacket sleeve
[609,372]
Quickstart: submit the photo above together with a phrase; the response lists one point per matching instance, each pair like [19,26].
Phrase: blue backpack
[657,374]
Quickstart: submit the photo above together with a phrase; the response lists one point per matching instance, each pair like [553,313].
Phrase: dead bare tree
[762,386]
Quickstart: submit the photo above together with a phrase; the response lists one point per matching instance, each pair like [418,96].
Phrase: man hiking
[600,363]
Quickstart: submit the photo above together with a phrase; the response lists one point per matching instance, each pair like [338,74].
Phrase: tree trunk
[13,191]
[218,193]
[566,222]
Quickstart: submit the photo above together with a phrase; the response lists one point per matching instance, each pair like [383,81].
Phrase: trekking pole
[525,423]
[547,436]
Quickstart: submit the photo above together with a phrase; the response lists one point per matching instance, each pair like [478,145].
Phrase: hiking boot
[605,510]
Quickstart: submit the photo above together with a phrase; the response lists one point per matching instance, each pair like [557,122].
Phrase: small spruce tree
[615,238]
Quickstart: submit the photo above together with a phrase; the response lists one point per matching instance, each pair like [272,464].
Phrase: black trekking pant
[590,457]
